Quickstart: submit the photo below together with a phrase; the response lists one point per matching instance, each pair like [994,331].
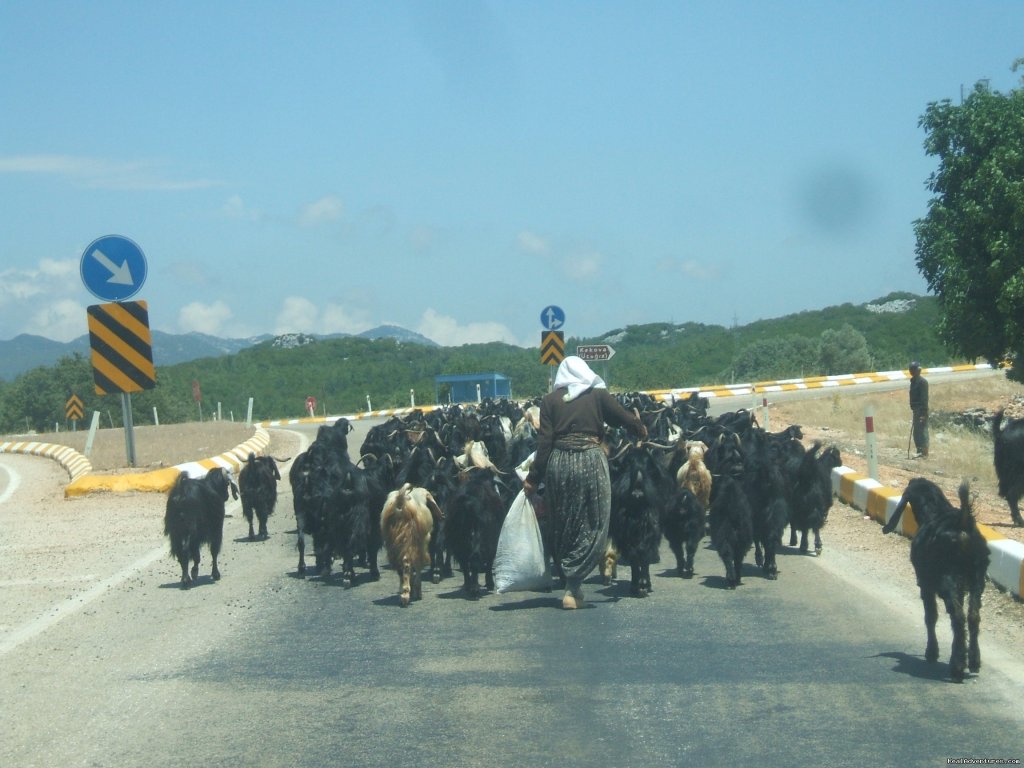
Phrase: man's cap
[915,366]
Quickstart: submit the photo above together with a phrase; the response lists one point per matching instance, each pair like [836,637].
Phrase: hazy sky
[455,167]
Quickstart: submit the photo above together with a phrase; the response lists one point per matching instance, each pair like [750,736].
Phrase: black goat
[683,524]
[730,520]
[950,558]
[472,526]
[765,486]
[812,494]
[641,488]
[926,500]
[732,532]
[257,487]
[195,516]
[1009,461]
[355,529]
[310,480]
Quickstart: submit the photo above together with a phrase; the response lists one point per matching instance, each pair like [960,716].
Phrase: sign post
[552,340]
[113,269]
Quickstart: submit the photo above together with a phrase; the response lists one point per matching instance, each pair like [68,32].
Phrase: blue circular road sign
[113,268]
[552,317]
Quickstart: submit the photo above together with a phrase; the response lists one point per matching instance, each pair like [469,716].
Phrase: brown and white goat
[694,474]
[406,523]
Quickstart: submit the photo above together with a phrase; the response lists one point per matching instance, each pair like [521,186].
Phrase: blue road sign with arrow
[552,318]
[113,268]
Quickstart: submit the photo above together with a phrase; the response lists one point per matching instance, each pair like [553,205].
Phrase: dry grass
[965,452]
[956,452]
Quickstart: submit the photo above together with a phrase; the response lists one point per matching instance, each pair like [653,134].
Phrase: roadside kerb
[161,480]
[1006,567]
[75,463]
[351,416]
[810,382]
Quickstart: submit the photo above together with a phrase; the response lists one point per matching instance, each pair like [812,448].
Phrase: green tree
[970,245]
[843,350]
[779,358]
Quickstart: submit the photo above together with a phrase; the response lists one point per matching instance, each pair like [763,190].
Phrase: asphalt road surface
[264,668]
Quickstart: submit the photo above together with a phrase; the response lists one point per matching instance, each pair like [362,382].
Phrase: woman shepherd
[574,469]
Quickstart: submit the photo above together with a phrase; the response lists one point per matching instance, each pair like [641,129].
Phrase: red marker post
[869,429]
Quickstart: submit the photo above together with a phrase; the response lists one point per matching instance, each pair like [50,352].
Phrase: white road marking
[76,603]
[13,481]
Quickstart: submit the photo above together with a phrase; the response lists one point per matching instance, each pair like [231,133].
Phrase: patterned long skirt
[579,498]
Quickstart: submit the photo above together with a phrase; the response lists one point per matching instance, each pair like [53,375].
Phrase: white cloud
[324,210]
[336,319]
[62,320]
[300,315]
[297,315]
[50,278]
[448,333]
[424,237]
[689,268]
[100,173]
[532,243]
[583,267]
[205,318]
[235,208]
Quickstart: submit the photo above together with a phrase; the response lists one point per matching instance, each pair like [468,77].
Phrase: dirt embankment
[155,446]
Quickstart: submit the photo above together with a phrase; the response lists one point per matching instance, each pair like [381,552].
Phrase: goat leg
[186,580]
[957,620]
[973,626]
[738,568]
[302,555]
[1015,510]
[817,542]
[931,615]
[405,583]
[691,552]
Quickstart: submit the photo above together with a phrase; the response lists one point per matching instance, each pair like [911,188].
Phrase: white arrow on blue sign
[113,268]
[552,318]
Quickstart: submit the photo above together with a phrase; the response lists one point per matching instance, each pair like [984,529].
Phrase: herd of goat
[434,487]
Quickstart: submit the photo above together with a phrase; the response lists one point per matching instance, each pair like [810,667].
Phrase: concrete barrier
[1006,568]
[83,480]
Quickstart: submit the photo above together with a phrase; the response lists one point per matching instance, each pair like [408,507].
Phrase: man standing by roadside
[919,408]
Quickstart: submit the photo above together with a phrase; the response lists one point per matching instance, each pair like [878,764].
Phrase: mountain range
[25,352]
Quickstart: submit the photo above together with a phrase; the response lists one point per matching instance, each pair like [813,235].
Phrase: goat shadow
[718,581]
[1006,524]
[542,600]
[916,666]
[203,580]
[255,540]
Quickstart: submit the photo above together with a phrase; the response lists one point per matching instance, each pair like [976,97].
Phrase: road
[266,669]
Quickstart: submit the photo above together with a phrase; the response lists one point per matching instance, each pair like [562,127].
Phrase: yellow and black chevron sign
[552,347]
[73,408]
[122,347]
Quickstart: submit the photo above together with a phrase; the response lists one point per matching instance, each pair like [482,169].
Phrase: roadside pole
[869,429]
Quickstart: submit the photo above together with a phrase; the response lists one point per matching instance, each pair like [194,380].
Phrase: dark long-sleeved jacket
[586,415]
[919,394]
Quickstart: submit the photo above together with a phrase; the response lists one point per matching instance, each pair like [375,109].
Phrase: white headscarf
[575,374]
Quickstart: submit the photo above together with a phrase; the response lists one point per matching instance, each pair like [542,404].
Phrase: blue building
[469,388]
